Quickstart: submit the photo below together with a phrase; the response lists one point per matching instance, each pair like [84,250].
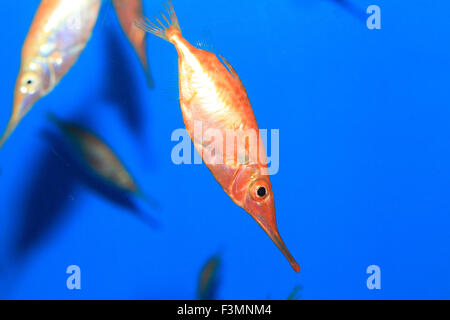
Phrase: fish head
[33,82]
[253,192]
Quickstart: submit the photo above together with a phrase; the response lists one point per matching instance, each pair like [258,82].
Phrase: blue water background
[364,177]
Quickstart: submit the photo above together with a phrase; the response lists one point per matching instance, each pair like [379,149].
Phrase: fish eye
[29,83]
[259,190]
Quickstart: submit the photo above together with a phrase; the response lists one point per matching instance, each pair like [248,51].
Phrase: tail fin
[60,124]
[52,117]
[147,199]
[161,31]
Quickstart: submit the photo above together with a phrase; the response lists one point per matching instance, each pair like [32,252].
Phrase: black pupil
[29,81]
[261,191]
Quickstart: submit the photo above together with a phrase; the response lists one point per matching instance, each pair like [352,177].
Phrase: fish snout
[265,217]
[22,104]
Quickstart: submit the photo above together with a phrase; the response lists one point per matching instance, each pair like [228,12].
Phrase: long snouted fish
[57,36]
[128,11]
[213,98]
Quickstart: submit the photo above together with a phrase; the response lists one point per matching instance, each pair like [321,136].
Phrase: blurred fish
[351,8]
[100,158]
[214,98]
[208,279]
[294,294]
[57,36]
[128,11]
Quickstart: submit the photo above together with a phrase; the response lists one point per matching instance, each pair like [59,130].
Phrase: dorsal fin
[231,70]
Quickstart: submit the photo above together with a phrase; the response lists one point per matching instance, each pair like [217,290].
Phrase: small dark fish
[208,279]
[100,158]
[294,294]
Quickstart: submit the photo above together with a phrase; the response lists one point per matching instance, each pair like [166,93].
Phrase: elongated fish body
[294,295]
[208,279]
[98,156]
[128,12]
[214,104]
[57,36]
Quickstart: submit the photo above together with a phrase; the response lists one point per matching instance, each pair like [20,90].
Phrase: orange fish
[128,11]
[57,36]
[215,105]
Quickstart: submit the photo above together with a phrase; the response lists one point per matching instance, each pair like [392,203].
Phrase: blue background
[364,158]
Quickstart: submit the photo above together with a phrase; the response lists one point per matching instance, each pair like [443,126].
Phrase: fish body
[98,156]
[208,279]
[57,36]
[294,295]
[215,104]
[128,12]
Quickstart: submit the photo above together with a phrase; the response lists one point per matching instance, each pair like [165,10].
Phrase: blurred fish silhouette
[294,295]
[51,187]
[213,98]
[351,8]
[101,159]
[128,11]
[209,279]
[57,36]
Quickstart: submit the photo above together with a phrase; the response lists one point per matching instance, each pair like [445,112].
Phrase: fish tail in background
[153,203]
[352,9]
[148,75]
[59,123]
[143,215]
[162,31]
[146,25]
[103,14]
[53,119]
[128,11]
